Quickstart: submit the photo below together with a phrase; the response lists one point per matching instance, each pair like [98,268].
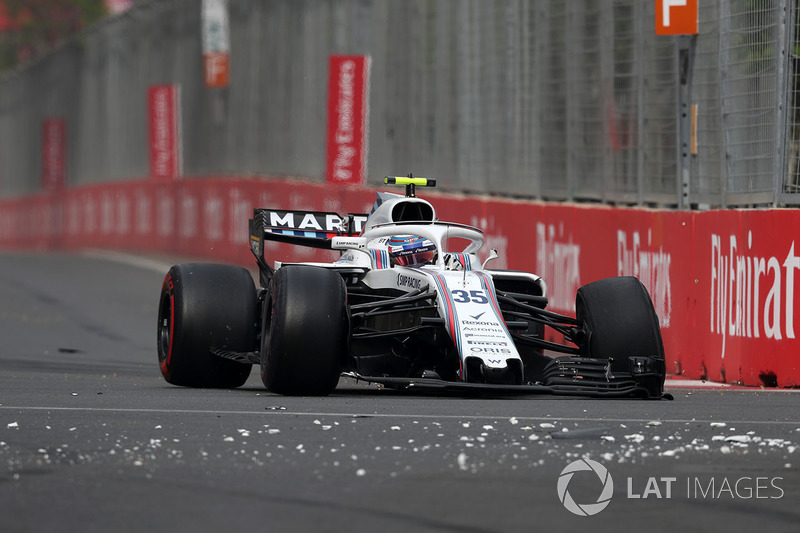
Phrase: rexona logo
[585,509]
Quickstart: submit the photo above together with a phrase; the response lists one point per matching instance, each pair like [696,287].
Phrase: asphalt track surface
[92,439]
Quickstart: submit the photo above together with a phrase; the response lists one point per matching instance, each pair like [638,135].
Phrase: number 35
[464,297]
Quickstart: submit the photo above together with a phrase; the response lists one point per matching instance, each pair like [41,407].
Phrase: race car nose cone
[498,376]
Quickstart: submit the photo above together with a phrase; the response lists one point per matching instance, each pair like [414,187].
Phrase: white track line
[129,259]
[288,413]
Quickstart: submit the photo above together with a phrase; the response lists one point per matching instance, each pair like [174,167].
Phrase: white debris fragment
[726,450]
[718,424]
[273,431]
[635,437]
[533,436]
[607,438]
[228,439]
[654,423]
[607,457]
[513,421]
[395,428]
[488,427]
[738,439]
[361,472]
[326,428]
[462,461]
[546,425]
[12,425]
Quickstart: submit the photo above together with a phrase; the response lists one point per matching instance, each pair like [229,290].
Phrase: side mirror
[492,255]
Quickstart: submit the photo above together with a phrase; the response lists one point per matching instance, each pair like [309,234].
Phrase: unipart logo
[485,335]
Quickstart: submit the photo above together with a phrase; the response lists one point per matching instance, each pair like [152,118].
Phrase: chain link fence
[573,100]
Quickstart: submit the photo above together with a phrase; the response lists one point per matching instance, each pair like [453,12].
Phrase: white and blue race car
[407,305]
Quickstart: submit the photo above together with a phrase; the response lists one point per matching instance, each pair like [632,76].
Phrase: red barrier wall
[723,282]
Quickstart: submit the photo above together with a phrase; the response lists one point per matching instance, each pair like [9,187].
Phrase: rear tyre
[206,306]
[305,333]
[621,323]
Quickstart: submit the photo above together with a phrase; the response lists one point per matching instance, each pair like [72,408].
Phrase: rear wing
[314,229]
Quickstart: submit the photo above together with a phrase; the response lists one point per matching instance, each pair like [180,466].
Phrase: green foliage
[39,25]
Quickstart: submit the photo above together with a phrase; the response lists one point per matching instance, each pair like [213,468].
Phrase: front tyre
[621,324]
[205,306]
[305,332]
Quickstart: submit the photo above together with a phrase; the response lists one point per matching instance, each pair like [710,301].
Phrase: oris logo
[479,349]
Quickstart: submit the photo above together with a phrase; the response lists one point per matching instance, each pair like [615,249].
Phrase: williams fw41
[408,305]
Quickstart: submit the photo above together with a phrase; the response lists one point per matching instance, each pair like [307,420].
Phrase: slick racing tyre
[620,322]
[205,306]
[305,331]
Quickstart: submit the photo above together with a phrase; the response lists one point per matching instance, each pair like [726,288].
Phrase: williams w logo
[585,509]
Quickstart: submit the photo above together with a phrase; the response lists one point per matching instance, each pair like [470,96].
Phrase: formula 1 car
[400,308]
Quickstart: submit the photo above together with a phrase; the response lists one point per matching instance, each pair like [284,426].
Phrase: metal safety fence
[574,100]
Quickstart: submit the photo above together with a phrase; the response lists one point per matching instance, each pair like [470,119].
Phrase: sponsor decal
[489,343]
[344,242]
[558,262]
[751,295]
[651,266]
[496,329]
[165,135]
[488,335]
[479,323]
[408,281]
[348,112]
[483,349]
[312,221]
[54,154]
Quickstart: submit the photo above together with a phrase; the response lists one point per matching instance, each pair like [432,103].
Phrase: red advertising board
[54,154]
[725,284]
[676,17]
[348,116]
[165,134]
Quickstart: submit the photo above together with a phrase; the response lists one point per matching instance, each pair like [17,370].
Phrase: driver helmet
[411,250]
